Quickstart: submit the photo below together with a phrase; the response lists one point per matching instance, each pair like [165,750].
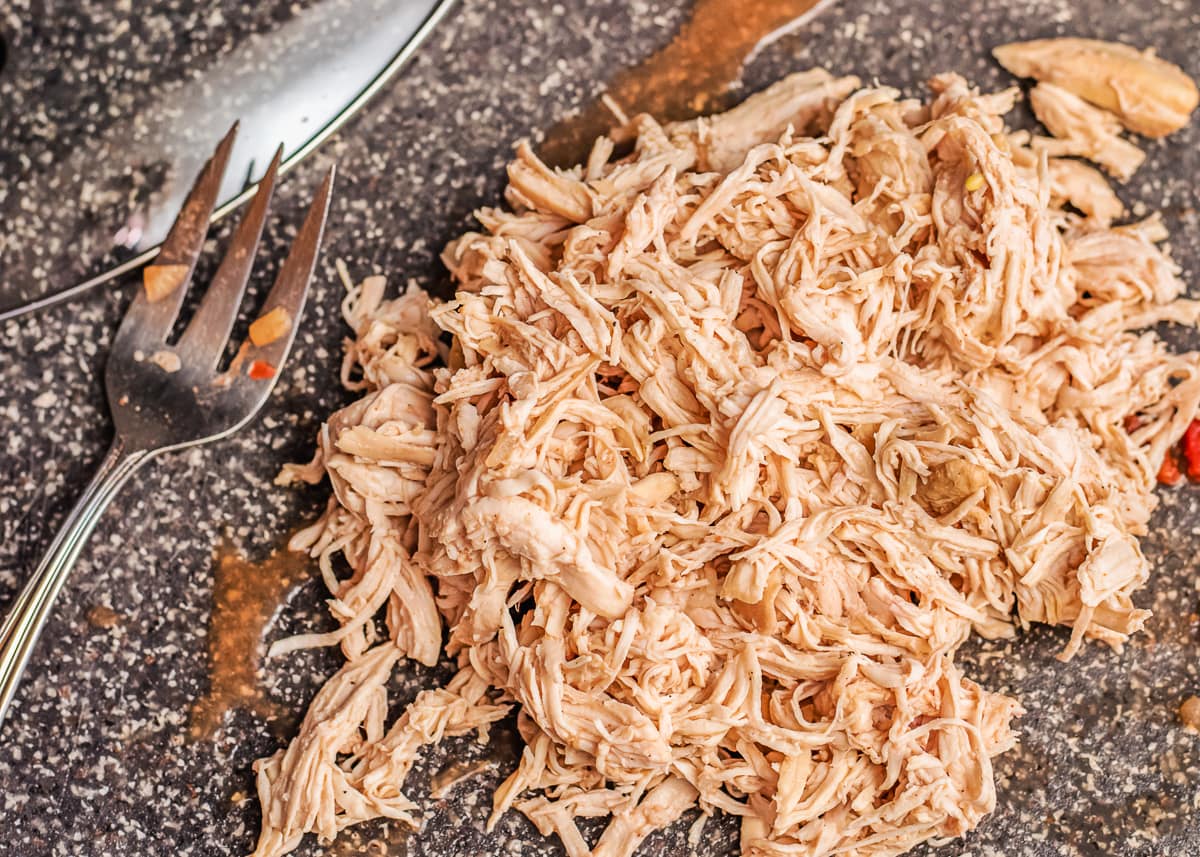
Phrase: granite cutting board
[99,755]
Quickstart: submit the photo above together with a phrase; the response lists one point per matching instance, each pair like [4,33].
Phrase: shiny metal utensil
[118,191]
[165,397]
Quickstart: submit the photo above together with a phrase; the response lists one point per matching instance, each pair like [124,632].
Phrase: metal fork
[165,397]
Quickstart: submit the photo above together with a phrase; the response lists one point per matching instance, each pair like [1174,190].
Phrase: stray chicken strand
[740,436]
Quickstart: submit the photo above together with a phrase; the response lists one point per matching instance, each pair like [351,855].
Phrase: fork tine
[177,258]
[291,285]
[204,339]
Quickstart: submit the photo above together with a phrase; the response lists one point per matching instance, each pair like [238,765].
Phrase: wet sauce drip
[689,76]
[246,597]
[393,841]
[444,781]
[104,618]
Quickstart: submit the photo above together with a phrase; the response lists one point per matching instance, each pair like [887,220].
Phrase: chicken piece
[800,101]
[536,185]
[552,550]
[1083,130]
[1084,188]
[661,806]
[1150,95]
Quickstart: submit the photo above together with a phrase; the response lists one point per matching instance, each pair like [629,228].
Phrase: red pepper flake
[1191,449]
[261,370]
[1132,423]
[1169,473]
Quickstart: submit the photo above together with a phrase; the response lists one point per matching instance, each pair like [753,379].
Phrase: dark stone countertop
[95,758]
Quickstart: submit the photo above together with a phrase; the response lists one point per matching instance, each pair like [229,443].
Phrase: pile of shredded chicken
[739,437]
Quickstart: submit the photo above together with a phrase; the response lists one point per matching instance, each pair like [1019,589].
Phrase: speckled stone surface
[94,758]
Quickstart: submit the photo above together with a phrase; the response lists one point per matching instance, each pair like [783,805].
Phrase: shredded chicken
[739,437]
[1075,183]
[1083,130]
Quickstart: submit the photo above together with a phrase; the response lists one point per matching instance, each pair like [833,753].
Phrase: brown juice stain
[246,597]
[104,618]
[688,77]
[448,777]
[391,842]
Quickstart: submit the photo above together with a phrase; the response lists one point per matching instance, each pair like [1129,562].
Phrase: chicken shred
[1083,130]
[1075,183]
[739,437]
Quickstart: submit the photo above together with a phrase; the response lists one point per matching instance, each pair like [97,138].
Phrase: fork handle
[27,615]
